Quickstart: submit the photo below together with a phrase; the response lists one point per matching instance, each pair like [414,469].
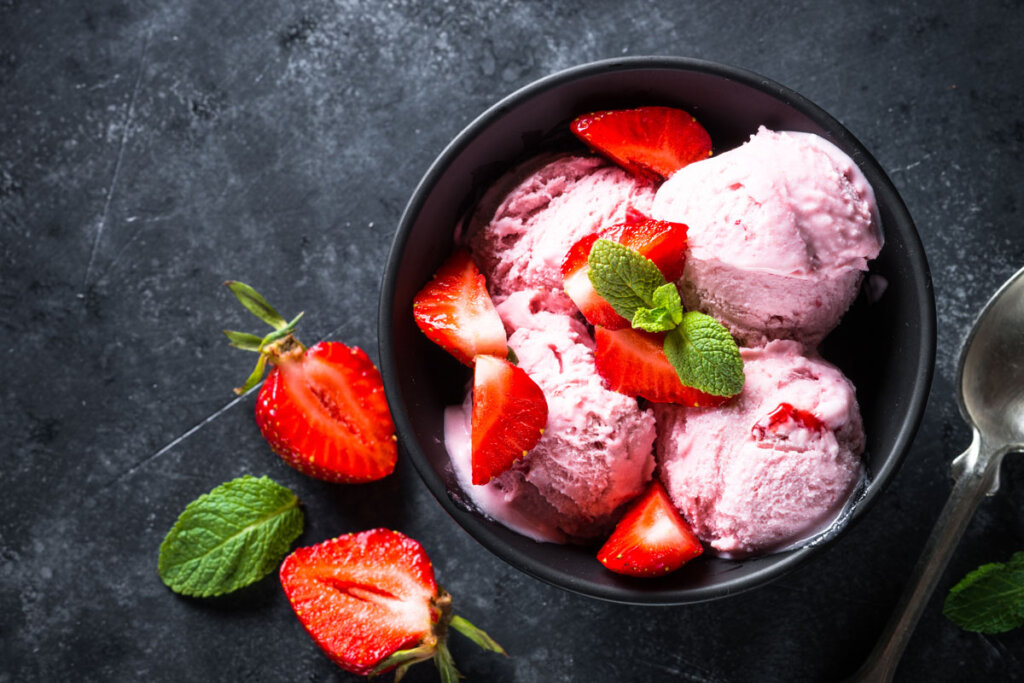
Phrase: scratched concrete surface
[148,151]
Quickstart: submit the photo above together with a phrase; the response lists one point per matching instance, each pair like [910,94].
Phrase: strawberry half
[321,409]
[509,415]
[455,311]
[371,602]
[653,142]
[651,539]
[633,362]
[662,242]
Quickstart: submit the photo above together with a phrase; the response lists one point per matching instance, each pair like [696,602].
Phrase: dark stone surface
[148,151]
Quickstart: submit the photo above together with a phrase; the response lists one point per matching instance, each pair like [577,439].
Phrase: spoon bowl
[991,395]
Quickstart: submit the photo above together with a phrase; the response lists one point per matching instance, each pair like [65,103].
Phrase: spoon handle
[975,480]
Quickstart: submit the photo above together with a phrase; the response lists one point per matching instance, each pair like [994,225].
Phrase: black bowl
[887,347]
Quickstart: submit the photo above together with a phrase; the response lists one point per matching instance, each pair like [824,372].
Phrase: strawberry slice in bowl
[652,538]
[662,242]
[455,311]
[653,142]
[509,416]
[633,362]
[371,602]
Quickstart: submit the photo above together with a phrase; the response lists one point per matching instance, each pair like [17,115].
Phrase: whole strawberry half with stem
[455,311]
[371,602]
[662,242]
[509,416]
[651,539]
[652,142]
[322,409]
[633,362]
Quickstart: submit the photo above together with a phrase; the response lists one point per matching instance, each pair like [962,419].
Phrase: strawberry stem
[277,347]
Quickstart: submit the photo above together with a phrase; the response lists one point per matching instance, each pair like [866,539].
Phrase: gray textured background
[148,151]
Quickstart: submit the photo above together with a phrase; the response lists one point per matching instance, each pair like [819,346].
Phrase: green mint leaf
[653,320]
[990,599]
[256,304]
[667,297]
[622,277]
[230,537]
[705,355]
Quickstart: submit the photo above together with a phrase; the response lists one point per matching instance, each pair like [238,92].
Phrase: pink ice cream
[749,486]
[596,451]
[526,223]
[780,232]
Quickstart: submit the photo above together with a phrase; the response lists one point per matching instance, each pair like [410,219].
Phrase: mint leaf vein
[989,599]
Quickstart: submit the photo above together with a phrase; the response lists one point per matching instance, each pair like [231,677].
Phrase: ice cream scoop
[991,381]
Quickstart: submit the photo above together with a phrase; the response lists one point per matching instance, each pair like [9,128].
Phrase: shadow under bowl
[886,347]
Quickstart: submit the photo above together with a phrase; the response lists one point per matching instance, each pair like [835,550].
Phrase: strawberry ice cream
[753,477]
[526,223]
[596,451]
[780,232]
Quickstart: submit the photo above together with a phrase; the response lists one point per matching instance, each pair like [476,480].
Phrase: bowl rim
[919,277]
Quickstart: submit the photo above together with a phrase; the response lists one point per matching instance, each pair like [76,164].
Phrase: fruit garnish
[509,415]
[653,142]
[633,362]
[322,409]
[784,419]
[455,311]
[651,539]
[371,602]
[662,242]
[699,348]
[230,537]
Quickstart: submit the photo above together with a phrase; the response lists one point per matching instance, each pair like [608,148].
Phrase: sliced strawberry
[324,412]
[633,362]
[651,539]
[785,419]
[321,409]
[652,142]
[455,311]
[509,415]
[662,242]
[371,602]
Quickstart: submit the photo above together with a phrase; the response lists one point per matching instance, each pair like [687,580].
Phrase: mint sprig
[230,537]
[700,349]
[989,599]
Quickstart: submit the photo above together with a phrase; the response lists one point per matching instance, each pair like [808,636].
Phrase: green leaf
[475,634]
[653,320]
[283,332]
[624,278]
[244,340]
[445,664]
[230,537]
[254,377]
[667,297]
[990,599]
[256,304]
[705,355]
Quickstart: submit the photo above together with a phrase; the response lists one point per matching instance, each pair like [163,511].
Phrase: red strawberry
[370,601]
[455,311]
[633,362]
[509,415]
[662,242]
[784,419]
[321,409]
[653,142]
[651,539]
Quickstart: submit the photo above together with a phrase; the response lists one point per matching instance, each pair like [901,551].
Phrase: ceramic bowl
[887,347]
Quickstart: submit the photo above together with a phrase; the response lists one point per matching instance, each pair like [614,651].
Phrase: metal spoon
[991,379]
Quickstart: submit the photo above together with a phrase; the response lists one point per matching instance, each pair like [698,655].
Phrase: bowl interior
[886,348]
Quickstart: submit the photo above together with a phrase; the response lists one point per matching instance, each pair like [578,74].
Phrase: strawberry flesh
[324,413]
[662,242]
[509,416]
[651,539]
[455,311]
[363,596]
[784,419]
[633,362]
[652,142]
